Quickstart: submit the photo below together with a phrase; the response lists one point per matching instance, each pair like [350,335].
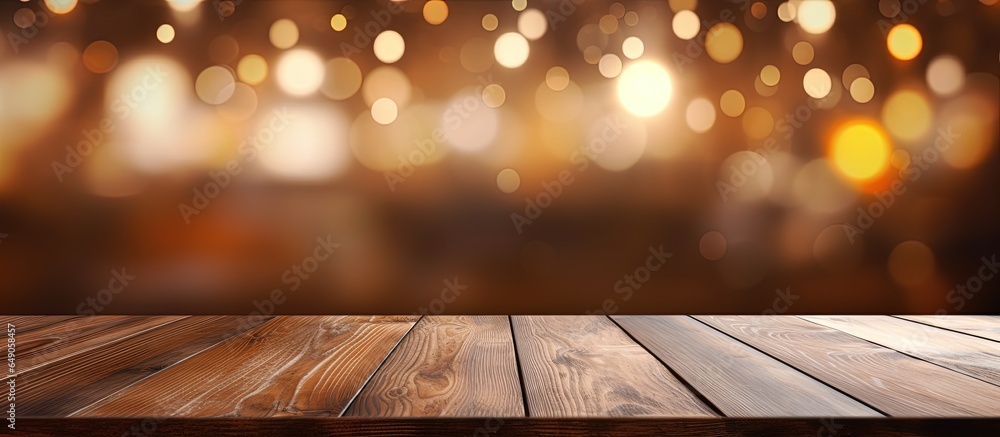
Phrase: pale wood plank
[58,388]
[980,326]
[290,366]
[586,366]
[973,356]
[447,366]
[739,380]
[890,381]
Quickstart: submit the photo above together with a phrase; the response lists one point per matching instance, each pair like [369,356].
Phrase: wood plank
[447,366]
[510,426]
[739,380]
[25,324]
[980,326]
[890,381]
[75,335]
[290,366]
[973,356]
[586,366]
[61,387]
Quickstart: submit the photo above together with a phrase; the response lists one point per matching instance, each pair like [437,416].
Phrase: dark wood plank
[447,366]
[894,383]
[586,366]
[980,326]
[739,380]
[973,356]
[27,324]
[290,366]
[75,335]
[61,387]
[510,426]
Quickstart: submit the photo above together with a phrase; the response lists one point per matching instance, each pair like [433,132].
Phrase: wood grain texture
[447,366]
[26,324]
[973,356]
[289,366]
[74,335]
[890,381]
[980,326]
[510,426]
[739,380]
[58,388]
[586,366]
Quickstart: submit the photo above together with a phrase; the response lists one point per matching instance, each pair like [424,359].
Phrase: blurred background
[525,157]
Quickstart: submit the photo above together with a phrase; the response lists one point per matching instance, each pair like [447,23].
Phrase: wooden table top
[508,374]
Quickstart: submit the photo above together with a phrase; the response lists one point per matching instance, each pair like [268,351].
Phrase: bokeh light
[945,75]
[686,24]
[511,50]
[215,85]
[907,115]
[532,24]
[389,46]
[252,69]
[911,263]
[724,43]
[817,83]
[384,111]
[508,181]
[300,72]
[904,42]
[100,57]
[860,150]
[435,11]
[815,16]
[644,88]
[283,33]
[165,33]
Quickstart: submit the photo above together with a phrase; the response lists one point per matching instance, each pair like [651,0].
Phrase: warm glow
[644,88]
[338,22]
[511,50]
[817,83]
[283,34]
[860,151]
[557,78]
[384,111]
[435,12]
[165,33]
[724,43]
[632,47]
[945,75]
[532,24]
[215,85]
[60,6]
[252,69]
[904,42]
[686,24]
[300,72]
[815,16]
[907,115]
[389,46]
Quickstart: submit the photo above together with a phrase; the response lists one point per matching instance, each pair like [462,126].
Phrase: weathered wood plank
[890,381]
[739,380]
[586,366]
[980,326]
[61,387]
[290,366]
[447,366]
[71,336]
[976,357]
